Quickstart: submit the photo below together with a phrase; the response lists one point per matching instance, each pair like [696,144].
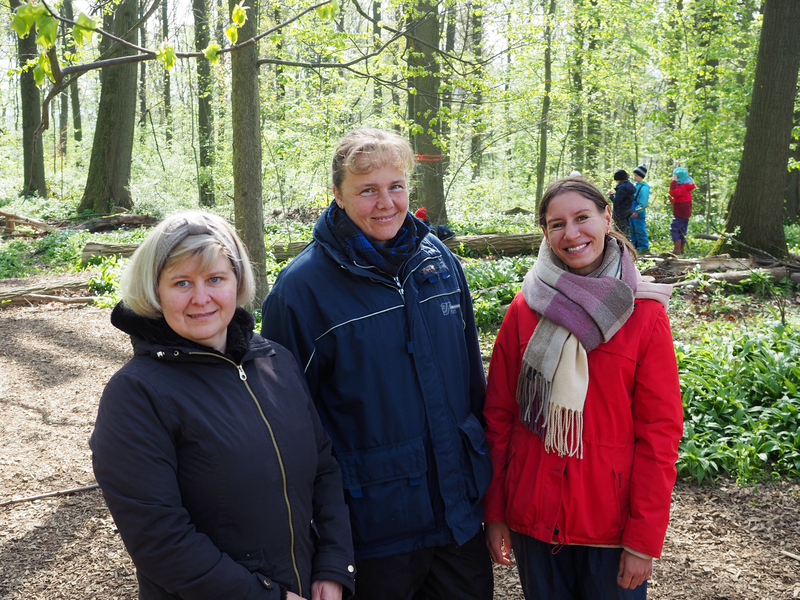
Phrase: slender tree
[32,157]
[756,207]
[166,93]
[544,122]
[245,115]
[423,108]
[142,71]
[476,23]
[205,114]
[75,98]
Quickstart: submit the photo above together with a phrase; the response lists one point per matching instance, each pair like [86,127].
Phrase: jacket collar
[155,338]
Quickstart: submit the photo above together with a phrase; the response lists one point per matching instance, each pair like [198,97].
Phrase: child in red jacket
[680,194]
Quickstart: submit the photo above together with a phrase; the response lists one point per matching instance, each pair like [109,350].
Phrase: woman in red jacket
[583,412]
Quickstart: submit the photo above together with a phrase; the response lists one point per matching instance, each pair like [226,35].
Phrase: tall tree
[112,149]
[756,205]
[544,122]
[75,99]
[167,96]
[476,22]
[423,108]
[245,115]
[205,114]
[142,71]
[33,160]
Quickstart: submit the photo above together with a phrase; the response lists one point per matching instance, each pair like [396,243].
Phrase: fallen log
[79,281]
[99,249]
[114,222]
[85,488]
[63,299]
[489,243]
[12,220]
[775,274]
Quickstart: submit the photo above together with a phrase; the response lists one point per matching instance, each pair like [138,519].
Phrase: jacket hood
[148,335]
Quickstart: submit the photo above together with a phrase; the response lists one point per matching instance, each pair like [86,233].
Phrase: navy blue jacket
[623,199]
[217,470]
[395,371]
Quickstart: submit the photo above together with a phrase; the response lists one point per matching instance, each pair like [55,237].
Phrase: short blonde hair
[182,235]
[365,149]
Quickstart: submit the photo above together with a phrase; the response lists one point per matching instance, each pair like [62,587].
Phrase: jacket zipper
[243,377]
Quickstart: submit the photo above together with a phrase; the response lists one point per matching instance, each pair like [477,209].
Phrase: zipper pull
[242,374]
[399,287]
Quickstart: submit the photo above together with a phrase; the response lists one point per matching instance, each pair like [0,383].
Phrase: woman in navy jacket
[207,447]
[378,314]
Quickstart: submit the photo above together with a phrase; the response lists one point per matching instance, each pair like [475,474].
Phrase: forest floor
[724,542]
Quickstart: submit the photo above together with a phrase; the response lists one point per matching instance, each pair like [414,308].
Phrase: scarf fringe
[564,432]
[533,394]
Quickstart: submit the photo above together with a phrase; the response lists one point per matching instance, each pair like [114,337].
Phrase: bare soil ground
[726,542]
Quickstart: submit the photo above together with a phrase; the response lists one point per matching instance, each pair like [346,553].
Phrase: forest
[121,112]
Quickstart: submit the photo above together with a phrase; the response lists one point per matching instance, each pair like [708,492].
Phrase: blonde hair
[183,235]
[365,149]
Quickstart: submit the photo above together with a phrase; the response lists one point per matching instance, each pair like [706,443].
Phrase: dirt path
[723,543]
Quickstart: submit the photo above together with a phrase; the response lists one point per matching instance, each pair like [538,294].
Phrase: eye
[582,218]
[215,279]
[181,283]
[398,186]
[556,225]
[367,191]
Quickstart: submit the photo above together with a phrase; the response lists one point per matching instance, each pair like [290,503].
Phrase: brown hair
[589,191]
[365,149]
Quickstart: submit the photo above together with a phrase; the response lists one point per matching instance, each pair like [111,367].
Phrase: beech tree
[756,207]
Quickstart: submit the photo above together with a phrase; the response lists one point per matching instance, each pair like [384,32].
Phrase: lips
[577,248]
[202,315]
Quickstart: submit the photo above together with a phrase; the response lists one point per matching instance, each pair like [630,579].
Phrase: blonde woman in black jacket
[207,447]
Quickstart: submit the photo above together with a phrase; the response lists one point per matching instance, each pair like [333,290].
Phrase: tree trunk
[792,195]
[423,108]
[245,113]
[33,181]
[576,77]
[205,114]
[541,170]
[756,205]
[447,96]
[477,122]
[166,95]
[142,71]
[377,91]
[110,166]
[77,135]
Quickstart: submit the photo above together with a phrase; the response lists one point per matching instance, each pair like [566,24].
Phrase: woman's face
[576,229]
[376,201]
[198,304]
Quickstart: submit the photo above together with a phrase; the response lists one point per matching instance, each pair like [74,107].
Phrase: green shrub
[741,404]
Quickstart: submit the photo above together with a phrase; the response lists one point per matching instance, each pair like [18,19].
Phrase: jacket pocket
[478,458]
[622,487]
[387,491]
[252,561]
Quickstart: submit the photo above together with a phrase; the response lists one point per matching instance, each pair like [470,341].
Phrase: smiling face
[376,201]
[576,229]
[198,303]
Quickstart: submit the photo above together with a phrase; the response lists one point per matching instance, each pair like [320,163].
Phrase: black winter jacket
[217,470]
[623,199]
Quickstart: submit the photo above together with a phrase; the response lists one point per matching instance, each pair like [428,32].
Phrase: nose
[384,199]
[200,295]
[571,231]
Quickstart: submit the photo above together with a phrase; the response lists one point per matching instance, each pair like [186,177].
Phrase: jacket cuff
[637,553]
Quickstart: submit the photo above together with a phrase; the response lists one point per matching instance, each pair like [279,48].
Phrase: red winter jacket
[681,198]
[619,493]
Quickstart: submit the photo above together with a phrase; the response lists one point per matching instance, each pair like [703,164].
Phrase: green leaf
[25,16]
[232,32]
[167,56]
[47,30]
[83,29]
[212,53]
[38,75]
[239,14]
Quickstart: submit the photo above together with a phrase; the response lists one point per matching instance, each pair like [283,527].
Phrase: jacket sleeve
[477,376]
[658,426]
[333,557]
[501,408]
[283,325]
[135,462]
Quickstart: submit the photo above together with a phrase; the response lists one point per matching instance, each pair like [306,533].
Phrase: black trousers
[450,572]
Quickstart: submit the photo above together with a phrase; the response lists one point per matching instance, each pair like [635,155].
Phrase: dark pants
[549,572]
[678,229]
[622,223]
[449,572]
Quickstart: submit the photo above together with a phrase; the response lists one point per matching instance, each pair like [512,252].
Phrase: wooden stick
[35,223]
[790,555]
[62,299]
[85,488]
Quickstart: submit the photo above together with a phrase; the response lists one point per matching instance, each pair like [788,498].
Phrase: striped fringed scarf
[577,314]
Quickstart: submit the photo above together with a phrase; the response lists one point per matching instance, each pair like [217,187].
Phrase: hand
[674,178]
[634,215]
[498,540]
[293,596]
[325,589]
[633,570]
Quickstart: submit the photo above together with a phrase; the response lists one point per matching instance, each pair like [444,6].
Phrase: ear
[337,195]
[608,217]
[546,235]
